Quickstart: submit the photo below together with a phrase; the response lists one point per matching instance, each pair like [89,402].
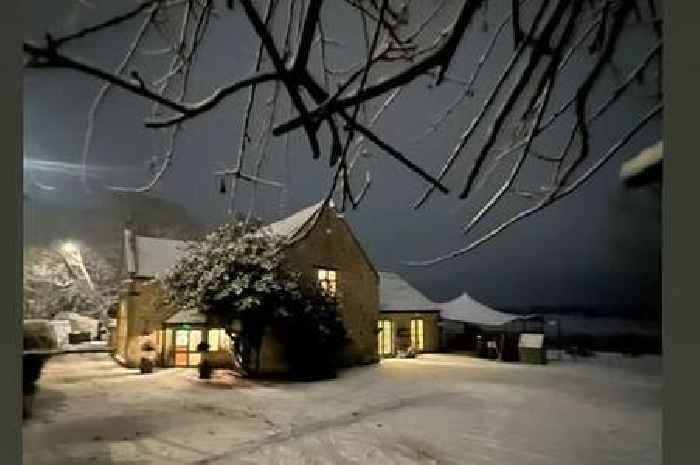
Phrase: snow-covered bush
[238,273]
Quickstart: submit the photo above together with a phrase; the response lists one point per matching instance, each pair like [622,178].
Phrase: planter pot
[205,370]
[146,366]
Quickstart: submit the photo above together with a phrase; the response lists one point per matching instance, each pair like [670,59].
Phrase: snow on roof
[147,256]
[187,317]
[467,310]
[293,224]
[396,295]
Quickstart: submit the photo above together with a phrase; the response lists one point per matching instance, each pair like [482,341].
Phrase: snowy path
[438,409]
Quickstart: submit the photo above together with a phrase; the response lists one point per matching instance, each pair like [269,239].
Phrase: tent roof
[467,310]
[396,295]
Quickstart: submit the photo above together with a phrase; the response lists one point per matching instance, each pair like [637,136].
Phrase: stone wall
[330,244]
[145,314]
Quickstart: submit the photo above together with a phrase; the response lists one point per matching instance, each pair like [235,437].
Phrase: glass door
[385,337]
[417,334]
[186,341]
[195,338]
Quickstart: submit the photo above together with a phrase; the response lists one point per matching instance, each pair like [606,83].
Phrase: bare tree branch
[104,89]
[468,89]
[548,35]
[192,110]
[438,58]
[515,93]
[547,200]
[284,75]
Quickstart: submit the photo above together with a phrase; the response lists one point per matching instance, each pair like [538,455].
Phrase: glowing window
[181,359]
[195,339]
[181,336]
[213,339]
[328,280]
[218,340]
[195,358]
[417,334]
[186,342]
[385,337]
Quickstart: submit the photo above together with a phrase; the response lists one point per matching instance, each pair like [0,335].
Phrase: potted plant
[205,367]
[411,352]
[147,362]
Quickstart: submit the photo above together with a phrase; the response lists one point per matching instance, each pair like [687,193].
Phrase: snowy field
[437,409]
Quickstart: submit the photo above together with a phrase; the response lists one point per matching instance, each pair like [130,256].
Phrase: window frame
[418,329]
[327,282]
[382,325]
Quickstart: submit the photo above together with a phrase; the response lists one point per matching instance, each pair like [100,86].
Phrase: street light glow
[69,247]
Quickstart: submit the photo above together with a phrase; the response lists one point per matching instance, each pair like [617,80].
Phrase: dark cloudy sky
[599,247]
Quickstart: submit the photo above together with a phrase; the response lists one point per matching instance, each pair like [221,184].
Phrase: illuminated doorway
[186,342]
[417,334]
[385,337]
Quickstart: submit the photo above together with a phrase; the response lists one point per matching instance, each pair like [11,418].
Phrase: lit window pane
[181,338]
[195,339]
[417,334]
[224,340]
[181,359]
[331,274]
[214,339]
[385,339]
[321,274]
[195,358]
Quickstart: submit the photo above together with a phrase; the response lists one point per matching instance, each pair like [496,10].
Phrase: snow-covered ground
[437,409]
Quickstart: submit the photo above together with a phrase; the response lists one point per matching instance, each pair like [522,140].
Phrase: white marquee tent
[465,309]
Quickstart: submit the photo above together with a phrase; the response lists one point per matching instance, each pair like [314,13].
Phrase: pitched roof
[187,317]
[145,257]
[396,295]
[148,256]
[292,225]
[467,310]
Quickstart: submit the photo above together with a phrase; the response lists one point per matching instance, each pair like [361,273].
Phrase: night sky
[598,248]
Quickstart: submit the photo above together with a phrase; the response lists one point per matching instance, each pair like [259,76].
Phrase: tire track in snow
[322,425]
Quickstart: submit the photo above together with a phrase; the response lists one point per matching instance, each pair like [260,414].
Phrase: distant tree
[53,282]
[534,93]
[237,274]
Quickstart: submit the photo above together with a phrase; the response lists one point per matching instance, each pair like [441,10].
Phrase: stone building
[407,318]
[321,246]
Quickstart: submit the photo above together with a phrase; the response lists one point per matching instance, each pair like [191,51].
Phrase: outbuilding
[407,318]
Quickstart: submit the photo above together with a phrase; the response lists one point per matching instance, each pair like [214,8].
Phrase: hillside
[100,220]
